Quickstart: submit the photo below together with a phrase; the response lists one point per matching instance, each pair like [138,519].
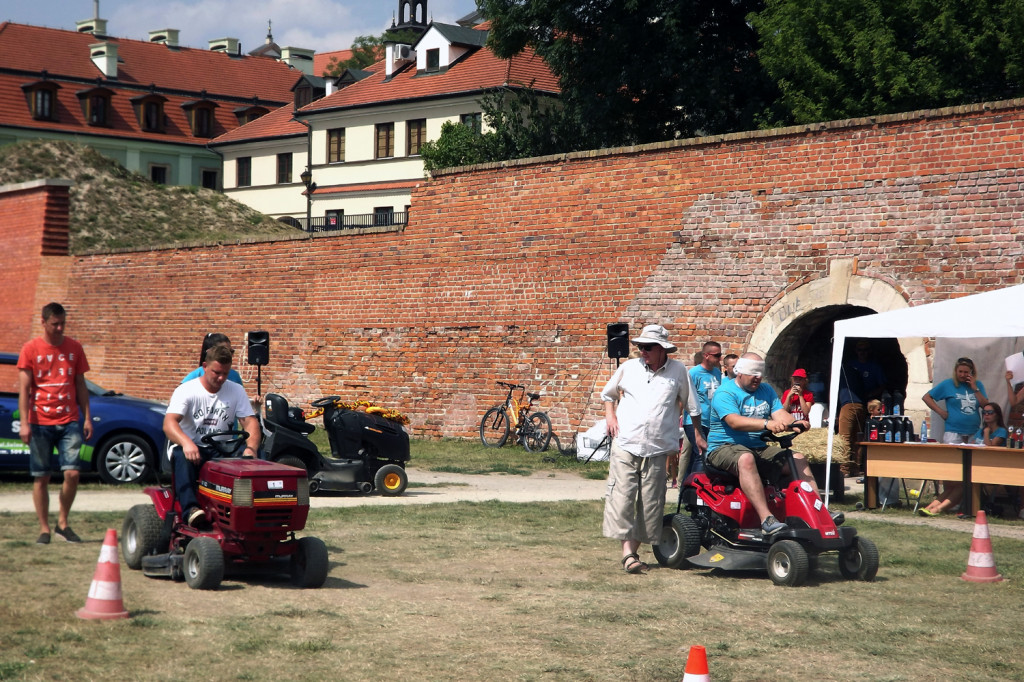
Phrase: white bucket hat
[655,333]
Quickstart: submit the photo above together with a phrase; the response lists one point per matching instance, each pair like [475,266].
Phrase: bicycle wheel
[537,432]
[494,428]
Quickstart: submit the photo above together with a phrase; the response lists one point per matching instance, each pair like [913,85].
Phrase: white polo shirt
[649,405]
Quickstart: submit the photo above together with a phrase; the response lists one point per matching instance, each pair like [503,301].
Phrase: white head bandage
[750,367]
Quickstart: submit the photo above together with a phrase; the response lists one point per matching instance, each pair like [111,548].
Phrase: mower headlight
[241,496]
[302,495]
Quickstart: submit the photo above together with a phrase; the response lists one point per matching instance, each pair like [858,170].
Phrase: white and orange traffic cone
[981,565]
[696,665]
[104,601]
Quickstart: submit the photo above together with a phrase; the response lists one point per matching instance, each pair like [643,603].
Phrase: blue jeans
[186,474]
[67,438]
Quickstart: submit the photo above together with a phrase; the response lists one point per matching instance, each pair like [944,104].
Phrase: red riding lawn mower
[253,509]
[720,517]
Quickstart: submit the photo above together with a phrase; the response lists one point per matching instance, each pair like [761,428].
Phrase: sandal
[632,564]
[924,512]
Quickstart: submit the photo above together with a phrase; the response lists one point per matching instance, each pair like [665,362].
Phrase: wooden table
[971,464]
[927,461]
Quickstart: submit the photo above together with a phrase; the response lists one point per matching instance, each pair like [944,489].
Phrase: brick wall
[34,220]
[512,271]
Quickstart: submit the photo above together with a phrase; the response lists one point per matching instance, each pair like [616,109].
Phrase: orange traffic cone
[696,665]
[104,600]
[981,565]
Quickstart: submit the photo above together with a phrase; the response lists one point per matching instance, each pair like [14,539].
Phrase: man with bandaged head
[740,411]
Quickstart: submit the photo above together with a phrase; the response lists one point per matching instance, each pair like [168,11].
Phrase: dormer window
[200,117]
[149,110]
[433,60]
[303,95]
[250,113]
[42,99]
[95,105]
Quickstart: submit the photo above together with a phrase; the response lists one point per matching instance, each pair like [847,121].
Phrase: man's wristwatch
[765,424]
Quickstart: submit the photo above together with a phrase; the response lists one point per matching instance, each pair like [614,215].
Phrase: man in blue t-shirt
[707,377]
[740,411]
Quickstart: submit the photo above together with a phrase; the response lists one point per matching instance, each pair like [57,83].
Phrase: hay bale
[814,445]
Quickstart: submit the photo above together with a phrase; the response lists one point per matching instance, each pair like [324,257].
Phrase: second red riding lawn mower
[719,517]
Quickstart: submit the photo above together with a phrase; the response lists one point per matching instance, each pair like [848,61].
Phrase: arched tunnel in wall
[807,343]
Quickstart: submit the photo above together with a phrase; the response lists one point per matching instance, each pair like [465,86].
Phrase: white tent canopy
[994,315]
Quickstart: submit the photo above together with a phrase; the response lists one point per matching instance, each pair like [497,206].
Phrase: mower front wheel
[203,564]
[309,563]
[391,480]
[788,564]
[680,539]
[859,561]
[140,534]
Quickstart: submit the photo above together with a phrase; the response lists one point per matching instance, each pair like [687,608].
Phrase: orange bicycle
[513,416]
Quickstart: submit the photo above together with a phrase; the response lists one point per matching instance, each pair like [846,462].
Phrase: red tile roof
[277,123]
[179,74]
[367,187]
[480,70]
[323,59]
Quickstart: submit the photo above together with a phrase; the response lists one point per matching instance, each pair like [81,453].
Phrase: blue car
[127,433]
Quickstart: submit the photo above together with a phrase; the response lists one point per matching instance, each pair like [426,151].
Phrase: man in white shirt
[200,406]
[643,402]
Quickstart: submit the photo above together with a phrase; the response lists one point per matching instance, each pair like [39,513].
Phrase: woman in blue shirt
[993,430]
[958,401]
[963,398]
[209,341]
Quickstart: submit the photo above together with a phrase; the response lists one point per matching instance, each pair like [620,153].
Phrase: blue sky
[322,25]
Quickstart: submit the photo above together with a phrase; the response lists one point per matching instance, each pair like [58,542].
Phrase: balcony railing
[348,222]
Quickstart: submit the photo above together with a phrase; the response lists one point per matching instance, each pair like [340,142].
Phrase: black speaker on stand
[618,341]
[258,343]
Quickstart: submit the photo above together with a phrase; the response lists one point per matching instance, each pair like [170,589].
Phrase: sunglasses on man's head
[646,346]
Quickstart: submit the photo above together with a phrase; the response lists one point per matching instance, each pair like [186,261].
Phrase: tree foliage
[367,50]
[849,58]
[635,71]
[520,123]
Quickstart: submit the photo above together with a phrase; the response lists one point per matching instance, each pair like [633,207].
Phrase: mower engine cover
[254,494]
[350,431]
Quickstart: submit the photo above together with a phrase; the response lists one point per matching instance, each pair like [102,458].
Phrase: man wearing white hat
[643,401]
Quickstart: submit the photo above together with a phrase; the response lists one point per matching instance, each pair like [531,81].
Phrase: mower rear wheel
[309,563]
[494,427]
[292,461]
[203,564]
[788,564]
[391,480]
[140,534]
[859,561]
[680,538]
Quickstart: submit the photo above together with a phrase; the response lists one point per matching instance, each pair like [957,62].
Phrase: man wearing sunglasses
[643,402]
[707,377]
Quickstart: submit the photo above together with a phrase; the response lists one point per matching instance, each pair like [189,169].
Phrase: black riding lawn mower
[369,450]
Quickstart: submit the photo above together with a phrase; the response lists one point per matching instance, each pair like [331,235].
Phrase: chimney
[104,56]
[167,36]
[97,26]
[298,58]
[229,45]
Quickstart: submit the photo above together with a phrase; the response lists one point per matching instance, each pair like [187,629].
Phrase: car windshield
[96,389]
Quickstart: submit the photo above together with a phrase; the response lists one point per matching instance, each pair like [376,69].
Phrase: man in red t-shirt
[797,399]
[52,397]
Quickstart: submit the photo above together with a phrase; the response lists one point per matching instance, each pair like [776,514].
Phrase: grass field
[485,591]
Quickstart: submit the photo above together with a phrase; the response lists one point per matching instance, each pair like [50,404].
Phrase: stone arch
[797,331]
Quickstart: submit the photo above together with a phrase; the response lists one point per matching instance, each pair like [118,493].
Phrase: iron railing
[348,222]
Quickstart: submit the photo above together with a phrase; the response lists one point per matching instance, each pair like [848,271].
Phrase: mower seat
[278,414]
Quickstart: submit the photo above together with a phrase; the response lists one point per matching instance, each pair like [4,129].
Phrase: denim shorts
[67,438]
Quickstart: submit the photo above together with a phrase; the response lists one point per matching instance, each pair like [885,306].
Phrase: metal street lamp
[307,179]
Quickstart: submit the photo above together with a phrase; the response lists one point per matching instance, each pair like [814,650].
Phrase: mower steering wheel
[796,427]
[326,401]
[225,442]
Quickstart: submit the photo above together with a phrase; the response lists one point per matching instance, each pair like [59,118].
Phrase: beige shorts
[727,458]
[635,504]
